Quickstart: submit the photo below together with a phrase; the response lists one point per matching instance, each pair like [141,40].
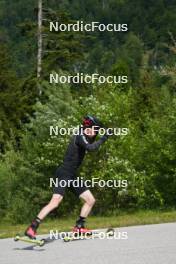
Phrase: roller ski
[30,235]
[36,242]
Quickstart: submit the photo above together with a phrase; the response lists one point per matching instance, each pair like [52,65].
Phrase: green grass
[122,219]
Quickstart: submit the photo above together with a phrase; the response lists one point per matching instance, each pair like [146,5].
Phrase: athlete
[74,156]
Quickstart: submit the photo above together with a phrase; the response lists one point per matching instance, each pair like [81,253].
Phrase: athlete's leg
[89,202]
[57,197]
[54,202]
[58,194]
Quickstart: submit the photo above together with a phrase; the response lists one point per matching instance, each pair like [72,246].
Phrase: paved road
[150,244]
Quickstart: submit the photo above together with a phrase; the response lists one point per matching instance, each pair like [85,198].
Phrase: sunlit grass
[118,220]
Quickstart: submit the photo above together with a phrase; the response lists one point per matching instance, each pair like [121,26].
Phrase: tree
[16,102]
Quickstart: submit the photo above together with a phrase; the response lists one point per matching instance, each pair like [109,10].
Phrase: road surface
[150,244]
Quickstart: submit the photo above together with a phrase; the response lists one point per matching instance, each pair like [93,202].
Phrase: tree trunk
[39,56]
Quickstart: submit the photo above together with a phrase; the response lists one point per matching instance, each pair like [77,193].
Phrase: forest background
[146,105]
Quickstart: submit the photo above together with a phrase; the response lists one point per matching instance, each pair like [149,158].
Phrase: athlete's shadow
[30,248]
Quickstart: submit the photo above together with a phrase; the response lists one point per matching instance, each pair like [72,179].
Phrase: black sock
[38,220]
[35,223]
[80,222]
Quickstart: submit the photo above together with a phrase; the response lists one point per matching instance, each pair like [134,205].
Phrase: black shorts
[64,179]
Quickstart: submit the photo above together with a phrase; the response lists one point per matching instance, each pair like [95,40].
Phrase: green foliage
[143,158]
[61,50]
[151,21]
[16,102]
[22,49]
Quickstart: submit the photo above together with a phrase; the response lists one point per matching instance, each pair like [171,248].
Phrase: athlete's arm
[82,141]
